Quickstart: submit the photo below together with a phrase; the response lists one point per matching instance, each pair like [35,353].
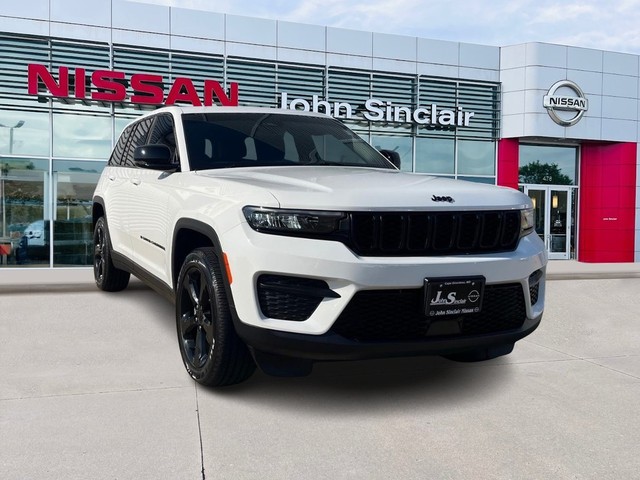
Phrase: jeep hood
[356,188]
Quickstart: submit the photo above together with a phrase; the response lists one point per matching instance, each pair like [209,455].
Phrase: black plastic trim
[155,244]
[308,291]
[331,346]
[209,232]
[100,201]
[124,263]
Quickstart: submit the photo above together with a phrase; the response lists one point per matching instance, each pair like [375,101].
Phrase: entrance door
[553,214]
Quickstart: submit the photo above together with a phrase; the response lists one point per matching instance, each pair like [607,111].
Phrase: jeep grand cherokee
[283,238]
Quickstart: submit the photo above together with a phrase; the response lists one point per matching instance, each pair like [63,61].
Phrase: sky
[604,25]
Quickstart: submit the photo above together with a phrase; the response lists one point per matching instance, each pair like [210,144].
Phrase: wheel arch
[97,210]
[189,234]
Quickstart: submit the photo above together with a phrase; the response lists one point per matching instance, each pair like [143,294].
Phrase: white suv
[283,239]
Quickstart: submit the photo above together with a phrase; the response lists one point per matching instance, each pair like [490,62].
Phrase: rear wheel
[108,277]
[212,352]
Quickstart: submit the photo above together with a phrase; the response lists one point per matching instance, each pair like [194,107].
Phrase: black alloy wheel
[212,352]
[196,318]
[107,276]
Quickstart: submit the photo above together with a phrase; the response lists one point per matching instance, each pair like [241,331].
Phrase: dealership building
[557,122]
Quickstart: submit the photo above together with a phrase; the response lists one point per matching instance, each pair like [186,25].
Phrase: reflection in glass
[476,158]
[434,155]
[24,133]
[548,165]
[86,136]
[402,145]
[487,180]
[558,221]
[74,183]
[120,123]
[538,198]
[24,232]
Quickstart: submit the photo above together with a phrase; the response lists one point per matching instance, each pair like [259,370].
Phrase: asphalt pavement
[92,386]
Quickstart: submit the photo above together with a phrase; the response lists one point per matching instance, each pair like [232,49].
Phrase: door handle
[135,181]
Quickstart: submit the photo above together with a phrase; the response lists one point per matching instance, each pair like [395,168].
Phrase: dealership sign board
[376,110]
[149,89]
[111,86]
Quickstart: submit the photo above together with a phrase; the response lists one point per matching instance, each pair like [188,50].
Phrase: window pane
[402,145]
[24,133]
[120,123]
[476,158]
[487,180]
[74,183]
[24,218]
[543,164]
[434,155]
[85,136]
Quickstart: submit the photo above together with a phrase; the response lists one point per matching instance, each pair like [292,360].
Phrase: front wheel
[212,352]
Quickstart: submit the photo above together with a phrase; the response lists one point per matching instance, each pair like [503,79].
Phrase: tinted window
[139,135]
[117,156]
[163,133]
[221,140]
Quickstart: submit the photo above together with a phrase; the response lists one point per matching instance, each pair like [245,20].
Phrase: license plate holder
[453,296]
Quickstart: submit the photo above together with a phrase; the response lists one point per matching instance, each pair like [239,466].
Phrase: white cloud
[588,23]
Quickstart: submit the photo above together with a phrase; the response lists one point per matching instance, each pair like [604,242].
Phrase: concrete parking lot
[92,386]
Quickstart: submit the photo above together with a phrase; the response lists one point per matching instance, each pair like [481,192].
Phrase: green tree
[543,173]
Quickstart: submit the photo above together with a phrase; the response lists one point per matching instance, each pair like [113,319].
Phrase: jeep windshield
[229,140]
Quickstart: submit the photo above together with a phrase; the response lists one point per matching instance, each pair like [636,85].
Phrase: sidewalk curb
[591,275]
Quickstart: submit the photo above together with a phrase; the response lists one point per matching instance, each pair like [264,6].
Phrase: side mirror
[392,156]
[154,157]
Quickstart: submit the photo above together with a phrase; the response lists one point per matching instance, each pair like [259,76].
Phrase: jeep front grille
[434,233]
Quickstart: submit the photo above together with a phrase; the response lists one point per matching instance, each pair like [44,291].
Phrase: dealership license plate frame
[437,294]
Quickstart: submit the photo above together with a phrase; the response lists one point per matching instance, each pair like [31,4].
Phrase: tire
[211,350]
[108,277]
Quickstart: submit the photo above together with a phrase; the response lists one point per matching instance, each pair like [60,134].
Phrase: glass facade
[548,165]
[549,175]
[52,150]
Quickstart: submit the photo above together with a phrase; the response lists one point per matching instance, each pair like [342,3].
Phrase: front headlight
[527,221]
[292,222]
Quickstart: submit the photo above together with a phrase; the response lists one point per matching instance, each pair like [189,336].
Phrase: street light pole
[2,195]
[11,129]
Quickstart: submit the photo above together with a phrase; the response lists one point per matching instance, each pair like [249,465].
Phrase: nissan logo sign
[565,110]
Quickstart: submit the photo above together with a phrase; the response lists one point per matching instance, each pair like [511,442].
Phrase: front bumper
[251,254]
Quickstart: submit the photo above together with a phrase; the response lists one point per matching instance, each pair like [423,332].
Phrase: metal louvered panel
[394,88]
[140,60]
[303,82]
[348,86]
[258,82]
[441,92]
[484,101]
[133,61]
[15,54]
[90,57]
[198,69]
